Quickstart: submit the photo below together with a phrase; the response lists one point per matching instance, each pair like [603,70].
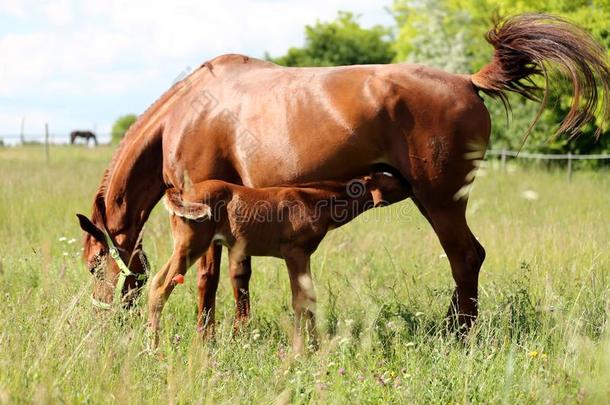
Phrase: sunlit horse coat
[251,122]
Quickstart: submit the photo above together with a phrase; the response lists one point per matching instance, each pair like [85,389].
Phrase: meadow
[383,286]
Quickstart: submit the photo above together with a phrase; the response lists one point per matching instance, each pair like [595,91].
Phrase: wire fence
[541,156]
[54,138]
[503,154]
[569,157]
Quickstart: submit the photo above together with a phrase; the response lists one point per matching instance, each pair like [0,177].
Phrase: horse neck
[132,186]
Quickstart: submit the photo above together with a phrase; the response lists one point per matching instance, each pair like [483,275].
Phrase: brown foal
[284,222]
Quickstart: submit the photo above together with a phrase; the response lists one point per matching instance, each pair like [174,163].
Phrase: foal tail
[176,205]
[530,45]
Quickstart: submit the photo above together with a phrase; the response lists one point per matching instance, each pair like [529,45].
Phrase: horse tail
[530,45]
[176,205]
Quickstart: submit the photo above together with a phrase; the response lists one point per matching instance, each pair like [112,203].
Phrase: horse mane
[99,212]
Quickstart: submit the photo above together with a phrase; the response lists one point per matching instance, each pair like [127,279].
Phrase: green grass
[383,286]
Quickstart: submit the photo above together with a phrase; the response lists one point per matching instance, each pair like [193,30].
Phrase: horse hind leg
[465,254]
[240,270]
[208,273]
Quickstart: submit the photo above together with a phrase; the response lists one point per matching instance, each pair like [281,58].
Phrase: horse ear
[89,227]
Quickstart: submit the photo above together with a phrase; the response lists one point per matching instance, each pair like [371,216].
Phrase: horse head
[118,273]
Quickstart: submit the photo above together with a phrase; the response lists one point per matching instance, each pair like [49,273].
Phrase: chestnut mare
[250,122]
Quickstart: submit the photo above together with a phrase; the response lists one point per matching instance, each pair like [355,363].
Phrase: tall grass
[383,287]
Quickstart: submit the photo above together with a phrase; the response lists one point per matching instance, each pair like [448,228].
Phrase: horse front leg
[303,300]
[190,241]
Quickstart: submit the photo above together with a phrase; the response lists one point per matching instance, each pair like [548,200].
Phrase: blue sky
[80,64]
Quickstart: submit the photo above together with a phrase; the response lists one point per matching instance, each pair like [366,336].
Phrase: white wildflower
[530,195]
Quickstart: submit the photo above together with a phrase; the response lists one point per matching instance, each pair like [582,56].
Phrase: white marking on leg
[306,284]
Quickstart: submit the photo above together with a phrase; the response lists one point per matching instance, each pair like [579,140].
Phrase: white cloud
[58,12]
[118,47]
[13,8]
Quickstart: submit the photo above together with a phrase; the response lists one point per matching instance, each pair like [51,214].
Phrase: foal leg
[303,300]
[465,256]
[189,245]
[240,270]
[208,272]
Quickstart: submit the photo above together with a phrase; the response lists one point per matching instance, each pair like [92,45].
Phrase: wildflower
[177,339]
[341,371]
[63,239]
[282,353]
[533,354]
[65,253]
[392,325]
[71,241]
[530,195]
[321,386]
[382,380]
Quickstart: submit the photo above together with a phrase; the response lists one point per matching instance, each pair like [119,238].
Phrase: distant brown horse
[251,122]
[82,134]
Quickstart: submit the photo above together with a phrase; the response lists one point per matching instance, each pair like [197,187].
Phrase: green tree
[121,125]
[340,42]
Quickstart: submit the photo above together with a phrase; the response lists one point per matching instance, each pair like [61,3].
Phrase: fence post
[503,159]
[21,134]
[46,141]
[569,167]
